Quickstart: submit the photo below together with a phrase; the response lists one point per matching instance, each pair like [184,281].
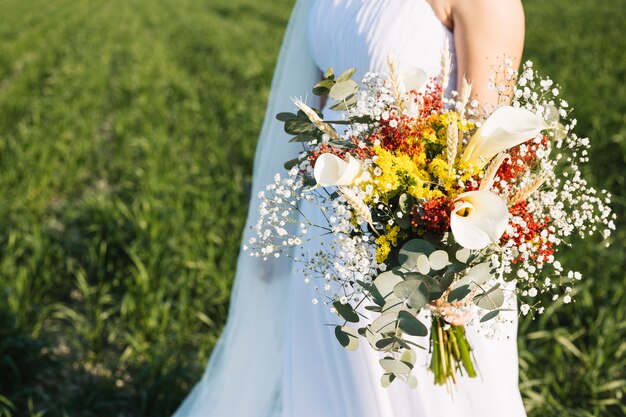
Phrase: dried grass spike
[446,60]
[357,204]
[487,182]
[452,142]
[466,92]
[315,119]
[394,77]
[527,191]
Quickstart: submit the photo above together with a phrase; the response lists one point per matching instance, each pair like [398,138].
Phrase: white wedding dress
[276,357]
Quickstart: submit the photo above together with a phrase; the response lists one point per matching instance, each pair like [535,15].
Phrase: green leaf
[409,356]
[393,304]
[283,117]
[413,292]
[411,250]
[387,379]
[383,343]
[344,105]
[346,312]
[489,316]
[383,284]
[386,323]
[347,337]
[323,87]
[394,366]
[446,280]
[346,75]
[376,309]
[410,325]
[330,73]
[299,126]
[291,163]
[342,90]
[301,138]
[431,283]
[459,293]
[412,382]
[494,298]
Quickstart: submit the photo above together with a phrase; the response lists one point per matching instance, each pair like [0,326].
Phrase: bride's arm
[485,33]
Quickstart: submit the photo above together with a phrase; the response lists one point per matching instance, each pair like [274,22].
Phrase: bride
[275,357]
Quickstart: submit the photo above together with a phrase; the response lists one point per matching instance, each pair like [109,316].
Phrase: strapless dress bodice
[362,33]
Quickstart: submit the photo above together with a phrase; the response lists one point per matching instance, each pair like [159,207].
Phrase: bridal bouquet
[429,212]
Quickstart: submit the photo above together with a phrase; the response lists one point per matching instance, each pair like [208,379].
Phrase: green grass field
[127,131]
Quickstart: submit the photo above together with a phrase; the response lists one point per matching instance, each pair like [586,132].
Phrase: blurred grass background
[127,131]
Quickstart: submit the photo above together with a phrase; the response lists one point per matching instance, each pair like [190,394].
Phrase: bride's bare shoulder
[497,11]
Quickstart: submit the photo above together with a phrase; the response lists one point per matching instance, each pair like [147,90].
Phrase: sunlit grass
[127,131]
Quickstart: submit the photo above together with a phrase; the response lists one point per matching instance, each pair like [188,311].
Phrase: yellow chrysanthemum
[384,243]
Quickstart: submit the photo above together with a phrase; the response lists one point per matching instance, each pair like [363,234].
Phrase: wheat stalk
[357,204]
[466,92]
[527,191]
[395,80]
[452,141]
[446,59]
[490,174]
[315,119]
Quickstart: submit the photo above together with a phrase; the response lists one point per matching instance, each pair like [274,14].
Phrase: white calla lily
[506,127]
[413,79]
[331,170]
[478,219]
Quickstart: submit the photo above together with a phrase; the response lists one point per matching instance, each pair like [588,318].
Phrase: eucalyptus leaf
[301,138]
[492,299]
[412,382]
[410,325]
[284,116]
[375,309]
[409,356]
[459,293]
[446,280]
[298,126]
[489,316]
[346,104]
[386,323]
[410,252]
[346,75]
[347,337]
[291,163]
[330,73]
[342,90]
[413,292]
[387,379]
[431,283]
[346,312]
[394,366]
[385,282]
[323,87]
[384,343]
[393,304]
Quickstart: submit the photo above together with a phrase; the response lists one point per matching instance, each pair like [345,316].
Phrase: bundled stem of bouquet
[434,217]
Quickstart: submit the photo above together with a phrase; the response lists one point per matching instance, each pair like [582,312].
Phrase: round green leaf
[413,292]
[410,325]
[394,366]
[410,252]
[341,90]
[492,299]
[387,379]
[386,323]
[347,337]
[346,312]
